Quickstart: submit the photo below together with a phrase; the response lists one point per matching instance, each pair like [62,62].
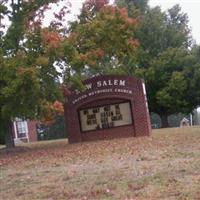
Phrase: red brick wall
[32,130]
[141,121]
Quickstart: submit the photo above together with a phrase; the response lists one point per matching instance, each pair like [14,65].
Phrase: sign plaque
[111,106]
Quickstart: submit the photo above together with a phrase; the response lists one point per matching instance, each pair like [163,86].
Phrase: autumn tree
[28,76]
[99,42]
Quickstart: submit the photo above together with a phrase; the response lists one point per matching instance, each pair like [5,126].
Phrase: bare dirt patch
[165,165]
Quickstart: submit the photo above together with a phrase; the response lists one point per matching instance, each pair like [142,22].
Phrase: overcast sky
[191,7]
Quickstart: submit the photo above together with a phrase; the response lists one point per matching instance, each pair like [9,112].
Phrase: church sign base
[110,107]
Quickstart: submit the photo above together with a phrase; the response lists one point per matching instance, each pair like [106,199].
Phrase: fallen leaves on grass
[57,151]
[157,167]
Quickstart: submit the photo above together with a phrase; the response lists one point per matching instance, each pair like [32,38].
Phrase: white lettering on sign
[104,83]
[109,82]
[124,91]
[88,86]
[80,98]
[98,83]
[122,82]
[102,91]
[115,82]
[99,92]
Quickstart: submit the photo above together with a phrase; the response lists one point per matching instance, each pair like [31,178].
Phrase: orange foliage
[109,10]
[83,57]
[93,54]
[133,43]
[98,53]
[131,21]
[51,39]
[58,107]
[122,12]
[53,110]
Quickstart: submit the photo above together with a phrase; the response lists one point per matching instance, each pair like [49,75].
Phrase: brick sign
[111,106]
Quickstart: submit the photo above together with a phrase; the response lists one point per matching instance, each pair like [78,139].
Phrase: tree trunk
[9,139]
[164,120]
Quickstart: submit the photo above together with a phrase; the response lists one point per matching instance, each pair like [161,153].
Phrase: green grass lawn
[164,166]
